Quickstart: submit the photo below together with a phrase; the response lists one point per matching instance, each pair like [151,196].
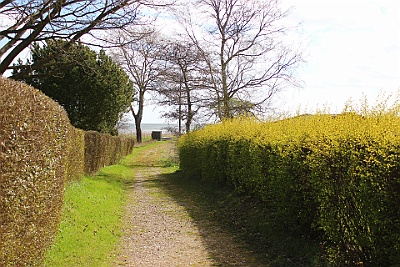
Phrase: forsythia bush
[335,175]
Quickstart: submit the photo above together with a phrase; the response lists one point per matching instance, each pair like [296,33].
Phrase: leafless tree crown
[27,21]
[242,43]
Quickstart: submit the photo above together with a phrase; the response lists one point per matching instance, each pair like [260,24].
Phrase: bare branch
[244,48]
[138,52]
[31,21]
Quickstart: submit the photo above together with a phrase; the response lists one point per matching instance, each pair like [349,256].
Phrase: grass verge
[91,219]
[93,208]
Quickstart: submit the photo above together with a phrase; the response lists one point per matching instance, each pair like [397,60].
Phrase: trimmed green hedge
[34,134]
[39,153]
[76,155]
[336,177]
[103,150]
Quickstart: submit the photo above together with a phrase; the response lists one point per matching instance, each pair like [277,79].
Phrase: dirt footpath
[158,230]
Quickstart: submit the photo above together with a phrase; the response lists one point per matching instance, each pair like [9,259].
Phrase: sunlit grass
[93,209]
[92,218]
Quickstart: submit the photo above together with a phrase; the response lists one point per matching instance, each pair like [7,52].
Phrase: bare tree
[183,83]
[139,55]
[241,41]
[29,21]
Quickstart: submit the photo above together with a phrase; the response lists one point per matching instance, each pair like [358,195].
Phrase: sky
[351,48]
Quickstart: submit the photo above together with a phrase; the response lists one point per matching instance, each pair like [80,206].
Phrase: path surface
[159,231]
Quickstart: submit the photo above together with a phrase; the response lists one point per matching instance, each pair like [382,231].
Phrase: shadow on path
[235,230]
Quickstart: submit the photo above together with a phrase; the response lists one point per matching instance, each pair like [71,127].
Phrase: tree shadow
[116,174]
[236,230]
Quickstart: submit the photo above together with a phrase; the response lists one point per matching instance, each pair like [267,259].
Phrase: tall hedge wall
[76,155]
[103,149]
[335,176]
[33,148]
[39,152]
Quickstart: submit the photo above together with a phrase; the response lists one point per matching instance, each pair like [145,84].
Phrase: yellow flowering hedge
[335,175]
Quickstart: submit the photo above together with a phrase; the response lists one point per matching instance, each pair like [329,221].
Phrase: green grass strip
[92,218]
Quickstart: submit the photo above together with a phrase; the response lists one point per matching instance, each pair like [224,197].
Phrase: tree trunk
[190,114]
[180,111]
[138,120]
[138,132]
[188,123]
[226,113]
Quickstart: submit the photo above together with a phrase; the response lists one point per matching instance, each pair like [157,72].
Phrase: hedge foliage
[39,152]
[103,150]
[332,176]
[33,145]
[76,154]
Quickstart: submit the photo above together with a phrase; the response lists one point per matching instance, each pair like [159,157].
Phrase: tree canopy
[183,87]
[93,89]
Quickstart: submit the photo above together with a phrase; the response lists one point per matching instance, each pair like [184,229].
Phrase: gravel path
[158,230]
